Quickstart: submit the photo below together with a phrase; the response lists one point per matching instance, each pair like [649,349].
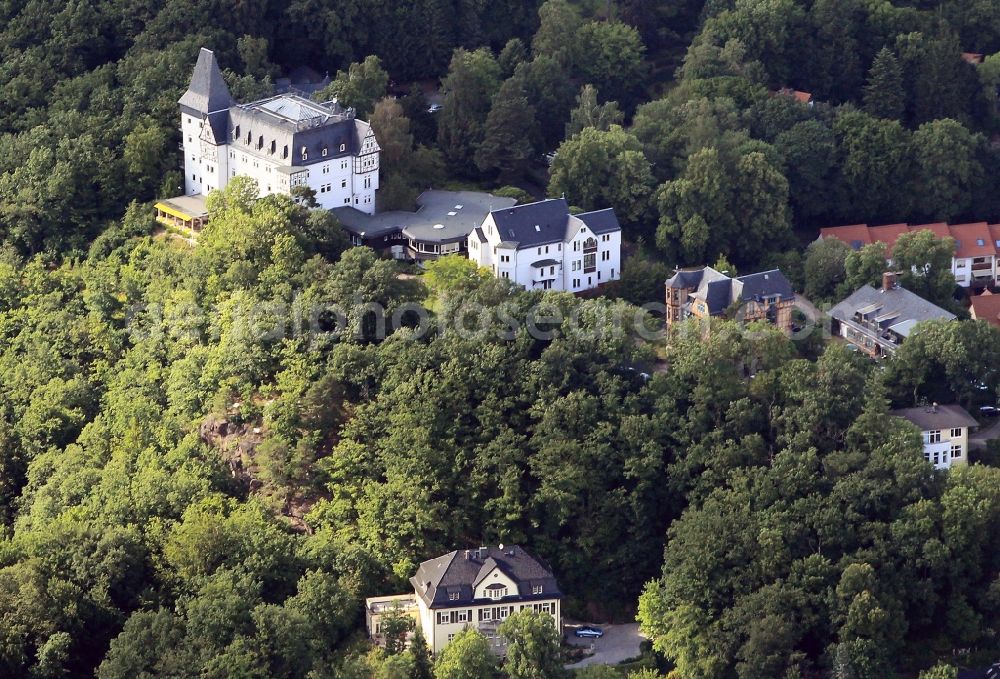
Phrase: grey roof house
[877,321]
[472,589]
[705,292]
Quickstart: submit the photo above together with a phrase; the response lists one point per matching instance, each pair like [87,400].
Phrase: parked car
[989,411]
[434,108]
[549,158]
[588,632]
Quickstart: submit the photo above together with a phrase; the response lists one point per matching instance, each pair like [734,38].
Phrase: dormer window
[343,147]
[305,153]
[496,591]
[537,589]
[236,133]
[454,596]
[324,150]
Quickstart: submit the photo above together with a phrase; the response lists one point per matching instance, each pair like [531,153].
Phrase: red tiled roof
[976,239]
[854,235]
[887,234]
[940,229]
[797,95]
[972,240]
[987,307]
[995,235]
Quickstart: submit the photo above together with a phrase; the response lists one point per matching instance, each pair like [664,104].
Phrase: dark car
[989,411]
[588,632]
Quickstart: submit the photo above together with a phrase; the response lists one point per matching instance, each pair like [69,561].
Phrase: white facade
[946,448]
[974,270]
[282,142]
[440,626]
[342,181]
[581,259]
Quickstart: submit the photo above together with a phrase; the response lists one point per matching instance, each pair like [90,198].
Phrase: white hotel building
[282,142]
[542,246]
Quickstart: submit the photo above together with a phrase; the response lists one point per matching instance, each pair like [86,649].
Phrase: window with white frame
[496,591]
[934,436]
[537,589]
[956,451]
[956,433]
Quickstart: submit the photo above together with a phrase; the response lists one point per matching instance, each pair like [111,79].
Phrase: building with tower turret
[283,142]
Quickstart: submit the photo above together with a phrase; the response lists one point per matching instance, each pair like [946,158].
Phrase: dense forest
[210,455]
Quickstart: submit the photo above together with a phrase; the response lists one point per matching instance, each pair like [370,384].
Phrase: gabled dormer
[493,583]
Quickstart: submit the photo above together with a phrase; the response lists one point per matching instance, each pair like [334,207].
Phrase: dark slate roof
[460,571]
[686,278]
[288,120]
[480,234]
[207,92]
[719,291]
[219,122]
[718,295]
[929,418]
[765,284]
[600,221]
[519,223]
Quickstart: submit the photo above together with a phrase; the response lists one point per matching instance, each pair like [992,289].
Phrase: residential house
[877,321]
[283,142]
[477,589]
[986,307]
[977,245]
[542,246]
[705,292]
[945,429]
[798,95]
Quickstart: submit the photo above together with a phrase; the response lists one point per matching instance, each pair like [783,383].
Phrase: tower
[204,126]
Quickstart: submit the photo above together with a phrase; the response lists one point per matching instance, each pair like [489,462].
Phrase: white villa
[473,588]
[282,142]
[542,246]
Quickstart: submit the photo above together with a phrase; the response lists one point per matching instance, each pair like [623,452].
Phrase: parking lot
[619,643]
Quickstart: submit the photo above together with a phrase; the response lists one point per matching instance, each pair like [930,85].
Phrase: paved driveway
[619,643]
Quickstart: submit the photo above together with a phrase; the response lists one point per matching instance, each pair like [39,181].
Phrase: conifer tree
[506,146]
[423,668]
[884,93]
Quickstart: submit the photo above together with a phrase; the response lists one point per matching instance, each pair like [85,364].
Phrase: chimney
[888,280]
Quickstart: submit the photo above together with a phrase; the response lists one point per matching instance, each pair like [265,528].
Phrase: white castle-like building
[282,142]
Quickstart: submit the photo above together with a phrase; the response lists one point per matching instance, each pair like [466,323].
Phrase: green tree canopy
[598,169]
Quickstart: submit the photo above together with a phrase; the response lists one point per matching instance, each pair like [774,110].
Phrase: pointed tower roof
[207,92]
